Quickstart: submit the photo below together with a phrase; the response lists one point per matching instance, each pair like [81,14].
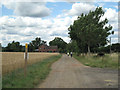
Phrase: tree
[73,47]
[89,30]
[43,43]
[13,47]
[34,44]
[60,43]
[115,47]
[106,49]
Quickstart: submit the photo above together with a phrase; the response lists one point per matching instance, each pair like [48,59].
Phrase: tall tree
[89,30]
[60,43]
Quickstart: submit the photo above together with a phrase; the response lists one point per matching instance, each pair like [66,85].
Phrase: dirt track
[70,73]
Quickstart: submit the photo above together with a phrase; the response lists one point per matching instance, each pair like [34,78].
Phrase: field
[15,60]
[107,61]
[36,73]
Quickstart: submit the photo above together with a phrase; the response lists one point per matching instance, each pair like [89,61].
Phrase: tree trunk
[88,50]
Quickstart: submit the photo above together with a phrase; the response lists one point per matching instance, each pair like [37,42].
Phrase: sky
[24,21]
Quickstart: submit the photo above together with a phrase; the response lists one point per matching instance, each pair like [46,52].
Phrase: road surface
[70,73]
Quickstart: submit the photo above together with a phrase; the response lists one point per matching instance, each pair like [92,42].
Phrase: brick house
[45,48]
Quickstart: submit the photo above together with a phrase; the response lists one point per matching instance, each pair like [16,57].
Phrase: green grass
[36,73]
[108,61]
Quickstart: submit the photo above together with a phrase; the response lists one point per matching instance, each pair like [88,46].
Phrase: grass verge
[36,73]
[108,61]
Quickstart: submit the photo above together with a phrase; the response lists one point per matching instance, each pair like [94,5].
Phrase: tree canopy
[34,44]
[14,47]
[89,30]
[72,47]
[60,43]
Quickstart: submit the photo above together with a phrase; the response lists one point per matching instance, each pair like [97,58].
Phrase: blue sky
[58,7]
[48,20]
[108,4]
[6,11]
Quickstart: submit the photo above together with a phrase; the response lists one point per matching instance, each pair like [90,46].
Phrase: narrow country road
[70,73]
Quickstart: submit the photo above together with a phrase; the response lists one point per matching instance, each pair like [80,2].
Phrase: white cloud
[79,8]
[31,9]
[114,25]
[116,7]
[116,33]
[114,40]
[110,14]
[25,29]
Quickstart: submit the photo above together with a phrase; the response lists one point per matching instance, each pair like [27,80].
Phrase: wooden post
[26,53]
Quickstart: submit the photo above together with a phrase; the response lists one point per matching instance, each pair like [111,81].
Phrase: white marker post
[26,53]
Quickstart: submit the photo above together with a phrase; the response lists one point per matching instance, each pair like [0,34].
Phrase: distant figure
[68,53]
[71,54]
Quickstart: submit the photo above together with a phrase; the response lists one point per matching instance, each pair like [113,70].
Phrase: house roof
[50,47]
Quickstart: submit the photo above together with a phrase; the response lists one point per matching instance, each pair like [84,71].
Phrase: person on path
[71,54]
[68,53]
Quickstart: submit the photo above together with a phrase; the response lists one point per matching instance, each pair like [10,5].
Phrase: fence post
[26,53]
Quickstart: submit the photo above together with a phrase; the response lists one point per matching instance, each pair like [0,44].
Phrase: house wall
[44,48]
